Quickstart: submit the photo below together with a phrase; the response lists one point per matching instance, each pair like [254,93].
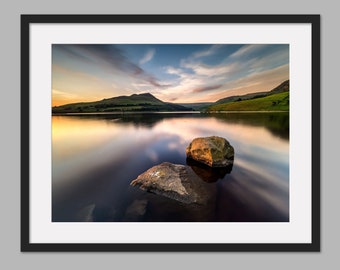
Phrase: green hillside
[283,87]
[274,102]
[133,103]
[242,97]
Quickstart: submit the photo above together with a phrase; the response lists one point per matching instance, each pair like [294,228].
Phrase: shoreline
[247,112]
[125,113]
[177,112]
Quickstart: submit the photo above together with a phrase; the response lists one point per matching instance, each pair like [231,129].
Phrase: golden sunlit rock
[213,151]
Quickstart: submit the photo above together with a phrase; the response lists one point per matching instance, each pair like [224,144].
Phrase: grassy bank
[276,102]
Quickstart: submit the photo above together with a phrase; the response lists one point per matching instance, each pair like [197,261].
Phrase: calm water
[95,157]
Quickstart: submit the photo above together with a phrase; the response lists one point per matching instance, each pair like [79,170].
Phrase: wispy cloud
[62,97]
[182,74]
[206,88]
[62,94]
[254,82]
[210,71]
[198,78]
[210,51]
[248,49]
[175,71]
[109,58]
[148,56]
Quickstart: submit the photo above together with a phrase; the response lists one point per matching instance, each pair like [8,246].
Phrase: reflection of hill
[147,120]
[276,123]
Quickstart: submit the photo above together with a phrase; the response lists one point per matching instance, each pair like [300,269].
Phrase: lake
[95,157]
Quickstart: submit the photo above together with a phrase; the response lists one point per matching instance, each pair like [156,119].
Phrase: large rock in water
[213,151]
[178,182]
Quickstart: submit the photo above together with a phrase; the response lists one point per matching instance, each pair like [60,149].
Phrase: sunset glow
[180,73]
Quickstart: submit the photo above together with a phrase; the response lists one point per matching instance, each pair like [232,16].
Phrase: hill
[239,98]
[136,102]
[283,87]
[274,102]
[261,101]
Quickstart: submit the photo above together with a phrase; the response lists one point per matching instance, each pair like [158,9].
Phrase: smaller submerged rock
[213,151]
[174,181]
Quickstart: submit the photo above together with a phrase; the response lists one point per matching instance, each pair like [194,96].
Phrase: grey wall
[11,257]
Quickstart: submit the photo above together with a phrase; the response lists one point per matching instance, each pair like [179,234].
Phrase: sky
[179,73]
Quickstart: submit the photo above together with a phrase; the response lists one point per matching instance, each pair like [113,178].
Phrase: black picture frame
[27,20]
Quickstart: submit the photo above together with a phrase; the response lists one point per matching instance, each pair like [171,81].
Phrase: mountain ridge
[135,102]
[276,99]
[283,87]
[146,102]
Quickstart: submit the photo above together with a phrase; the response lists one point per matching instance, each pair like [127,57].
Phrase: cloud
[206,88]
[252,68]
[62,97]
[247,49]
[109,58]
[212,50]
[210,71]
[147,57]
[174,71]
[278,57]
[173,99]
[255,82]
[62,94]
[194,77]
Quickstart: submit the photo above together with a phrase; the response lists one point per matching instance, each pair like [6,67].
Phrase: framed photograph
[170,132]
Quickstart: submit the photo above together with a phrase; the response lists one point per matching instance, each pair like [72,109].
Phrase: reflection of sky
[257,151]
[79,140]
[256,138]
[95,148]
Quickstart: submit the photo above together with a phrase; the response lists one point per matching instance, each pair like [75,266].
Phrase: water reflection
[96,156]
[206,173]
[276,123]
